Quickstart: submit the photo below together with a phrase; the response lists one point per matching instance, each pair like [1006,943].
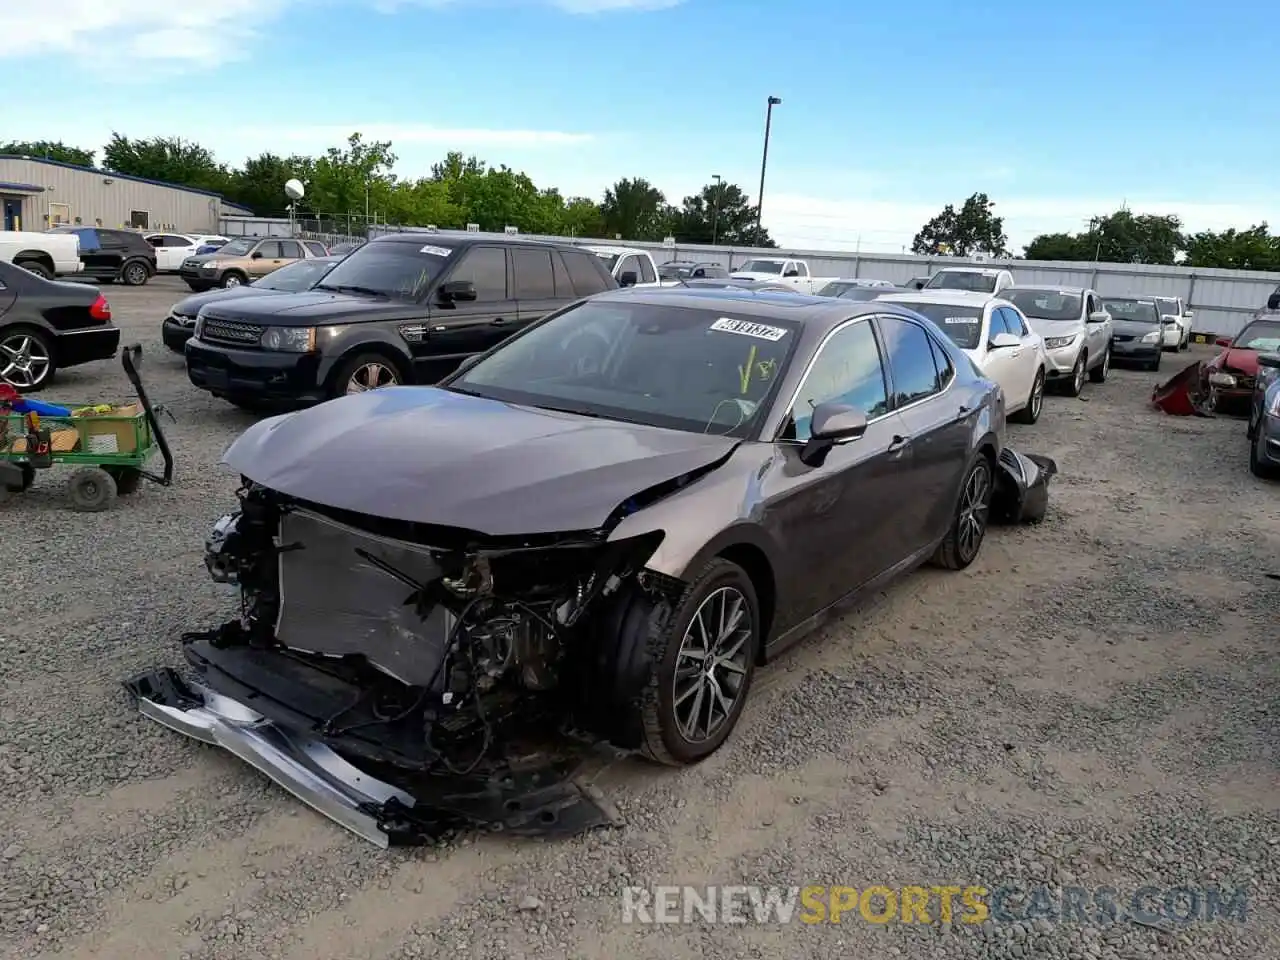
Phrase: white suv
[974,279]
[1076,331]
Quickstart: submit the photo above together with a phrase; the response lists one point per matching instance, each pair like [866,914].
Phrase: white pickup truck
[47,254]
[621,261]
[787,270]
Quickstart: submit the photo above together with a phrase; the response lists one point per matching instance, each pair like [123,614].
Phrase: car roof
[426,238]
[1131,299]
[1048,288]
[611,249]
[950,298]
[985,271]
[815,312]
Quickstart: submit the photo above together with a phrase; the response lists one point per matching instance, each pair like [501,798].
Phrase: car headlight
[1053,343]
[289,339]
[199,327]
[1222,379]
[210,265]
[1153,337]
[1273,403]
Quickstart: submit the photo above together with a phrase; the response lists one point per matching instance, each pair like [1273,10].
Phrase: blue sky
[889,110]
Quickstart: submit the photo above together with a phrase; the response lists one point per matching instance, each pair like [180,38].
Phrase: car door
[264,258]
[1024,359]
[534,272]
[461,328]
[839,520]
[628,264]
[110,256]
[1097,336]
[935,428]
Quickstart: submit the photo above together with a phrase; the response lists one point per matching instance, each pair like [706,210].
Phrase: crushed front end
[405,679]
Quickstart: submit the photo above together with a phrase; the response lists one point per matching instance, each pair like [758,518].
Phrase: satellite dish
[293,189]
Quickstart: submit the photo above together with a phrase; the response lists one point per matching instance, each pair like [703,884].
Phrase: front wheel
[969,525]
[1076,384]
[368,371]
[703,667]
[1258,465]
[92,490]
[1099,373]
[1155,364]
[231,279]
[1030,412]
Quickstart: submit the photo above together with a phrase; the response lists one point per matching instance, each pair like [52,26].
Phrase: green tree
[170,159]
[347,180]
[582,218]
[1124,237]
[973,229]
[259,183]
[634,209]
[1059,246]
[719,213]
[49,150]
[1252,249]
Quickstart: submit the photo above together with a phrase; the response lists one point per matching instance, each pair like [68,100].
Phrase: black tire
[254,405]
[969,525]
[1257,466]
[127,479]
[41,360]
[664,737]
[362,365]
[1099,373]
[1155,364]
[199,287]
[1074,383]
[91,489]
[232,278]
[135,273]
[36,267]
[1030,412]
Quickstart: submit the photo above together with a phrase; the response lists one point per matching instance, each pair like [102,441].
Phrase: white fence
[1223,300]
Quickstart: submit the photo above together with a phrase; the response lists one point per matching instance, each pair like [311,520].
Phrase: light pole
[715,214]
[764,161]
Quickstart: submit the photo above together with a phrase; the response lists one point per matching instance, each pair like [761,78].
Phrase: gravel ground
[1093,703]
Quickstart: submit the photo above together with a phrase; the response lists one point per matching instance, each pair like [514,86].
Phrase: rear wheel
[36,267]
[1030,412]
[91,489]
[1099,373]
[127,479]
[135,273]
[26,359]
[969,526]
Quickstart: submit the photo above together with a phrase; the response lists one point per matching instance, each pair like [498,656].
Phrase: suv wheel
[1099,373]
[231,279]
[1075,384]
[135,273]
[368,371]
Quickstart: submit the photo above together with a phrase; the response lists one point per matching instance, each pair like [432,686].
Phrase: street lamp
[764,160]
[715,209]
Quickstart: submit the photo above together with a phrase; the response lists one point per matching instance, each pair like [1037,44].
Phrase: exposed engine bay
[425,657]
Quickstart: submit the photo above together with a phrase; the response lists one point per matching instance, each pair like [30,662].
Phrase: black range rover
[402,308]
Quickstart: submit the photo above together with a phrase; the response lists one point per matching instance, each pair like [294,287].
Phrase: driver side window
[997,324]
[847,370]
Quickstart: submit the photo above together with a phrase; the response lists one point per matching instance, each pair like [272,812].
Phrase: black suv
[402,308]
[110,255]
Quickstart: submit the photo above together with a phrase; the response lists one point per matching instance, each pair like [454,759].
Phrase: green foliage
[49,150]
[720,213]
[171,159]
[973,229]
[1252,249]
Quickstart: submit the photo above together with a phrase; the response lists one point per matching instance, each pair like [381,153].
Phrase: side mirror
[1003,341]
[832,423]
[792,273]
[257,255]
[1169,320]
[1273,302]
[1187,314]
[1099,317]
[1223,342]
[627,278]
[453,290]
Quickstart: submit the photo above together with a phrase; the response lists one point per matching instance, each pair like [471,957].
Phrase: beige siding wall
[73,193]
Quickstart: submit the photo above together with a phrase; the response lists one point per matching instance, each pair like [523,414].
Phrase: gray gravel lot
[1093,703]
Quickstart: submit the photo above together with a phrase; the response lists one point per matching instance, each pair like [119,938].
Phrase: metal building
[36,194]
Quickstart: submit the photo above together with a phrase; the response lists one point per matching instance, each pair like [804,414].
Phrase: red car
[1230,375]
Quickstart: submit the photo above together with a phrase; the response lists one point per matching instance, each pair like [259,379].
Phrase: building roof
[108,173]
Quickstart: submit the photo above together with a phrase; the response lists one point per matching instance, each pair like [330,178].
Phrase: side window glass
[290,249]
[582,271]
[317,249]
[803,268]
[628,265]
[942,363]
[1091,305]
[997,324]
[534,279]
[848,370]
[1013,322]
[270,249]
[647,274]
[911,359]
[486,268]
[564,288]
[699,272]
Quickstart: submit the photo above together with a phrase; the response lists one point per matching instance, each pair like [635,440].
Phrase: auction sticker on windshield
[761,331]
[965,320]
[436,251]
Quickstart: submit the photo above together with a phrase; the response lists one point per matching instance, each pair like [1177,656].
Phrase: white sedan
[995,336]
[172,248]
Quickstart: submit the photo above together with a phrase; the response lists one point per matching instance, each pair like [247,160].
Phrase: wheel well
[377,349]
[753,560]
[36,256]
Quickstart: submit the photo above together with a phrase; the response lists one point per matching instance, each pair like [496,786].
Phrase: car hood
[1243,361]
[190,306]
[1054,328]
[306,308]
[427,455]
[1132,328]
[753,275]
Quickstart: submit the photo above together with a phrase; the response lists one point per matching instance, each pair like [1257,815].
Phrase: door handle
[498,321]
[898,444]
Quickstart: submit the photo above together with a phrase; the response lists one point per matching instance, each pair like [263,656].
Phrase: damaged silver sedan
[591,535]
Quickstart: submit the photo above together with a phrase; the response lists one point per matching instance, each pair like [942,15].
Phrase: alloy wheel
[1077,375]
[1106,362]
[711,666]
[974,509]
[1037,396]
[371,376]
[23,361]
[231,281]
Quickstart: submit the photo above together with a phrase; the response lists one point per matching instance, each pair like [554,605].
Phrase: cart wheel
[126,478]
[92,490]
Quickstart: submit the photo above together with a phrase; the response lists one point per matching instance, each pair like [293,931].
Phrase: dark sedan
[1137,332]
[1264,419]
[45,325]
[294,277]
[615,515]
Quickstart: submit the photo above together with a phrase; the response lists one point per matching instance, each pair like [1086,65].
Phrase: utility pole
[715,215]
[764,161]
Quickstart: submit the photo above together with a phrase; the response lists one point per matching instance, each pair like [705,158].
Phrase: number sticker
[761,331]
[436,251]
[965,320]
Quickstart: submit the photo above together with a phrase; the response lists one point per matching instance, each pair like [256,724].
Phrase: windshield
[836,287]
[685,368]
[301,275]
[1045,304]
[761,266]
[962,280]
[395,269]
[862,293]
[610,259]
[677,271]
[1134,311]
[962,324]
[1261,335]
[238,248]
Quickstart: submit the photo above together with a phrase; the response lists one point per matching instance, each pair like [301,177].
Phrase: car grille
[1123,337]
[229,331]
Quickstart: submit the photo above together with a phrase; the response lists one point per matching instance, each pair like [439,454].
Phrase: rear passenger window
[290,249]
[270,249]
[317,248]
[564,288]
[647,274]
[534,279]
[942,363]
[486,268]
[911,362]
[584,273]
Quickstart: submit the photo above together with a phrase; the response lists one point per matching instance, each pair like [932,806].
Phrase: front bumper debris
[534,801]
[1022,487]
[1184,394]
